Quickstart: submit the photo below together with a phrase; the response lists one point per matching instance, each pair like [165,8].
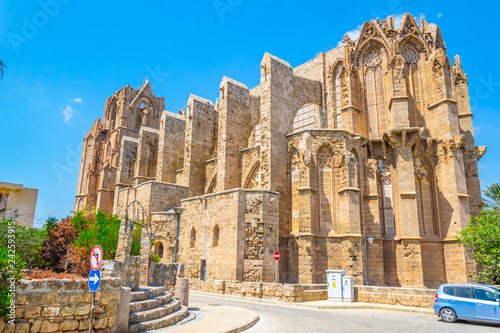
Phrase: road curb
[246,326]
[364,306]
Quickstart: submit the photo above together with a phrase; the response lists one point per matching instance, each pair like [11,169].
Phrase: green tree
[493,193]
[482,237]
[93,228]
[50,223]
[28,242]
[12,249]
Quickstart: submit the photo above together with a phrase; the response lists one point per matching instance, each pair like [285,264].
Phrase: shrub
[482,237]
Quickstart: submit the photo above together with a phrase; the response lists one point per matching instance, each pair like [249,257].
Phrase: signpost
[94,277]
[277,258]
[96,258]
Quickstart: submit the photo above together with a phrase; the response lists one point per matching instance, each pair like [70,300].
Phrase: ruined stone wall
[199,142]
[233,132]
[63,305]
[171,146]
[273,291]
[165,275]
[423,298]
[234,231]
[154,196]
[196,235]
[127,270]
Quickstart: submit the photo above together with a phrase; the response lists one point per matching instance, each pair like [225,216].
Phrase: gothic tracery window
[385,198]
[295,184]
[253,181]
[377,117]
[425,197]
[325,186]
[338,113]
[413,88]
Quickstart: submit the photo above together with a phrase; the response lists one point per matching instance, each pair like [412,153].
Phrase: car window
[464,292]
[449,291]
[485,295]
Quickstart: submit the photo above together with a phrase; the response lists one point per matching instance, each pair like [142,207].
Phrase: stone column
[182,291]
[454,211]
[409,254]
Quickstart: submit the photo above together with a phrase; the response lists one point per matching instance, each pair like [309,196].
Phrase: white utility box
[348,288]
[334,281]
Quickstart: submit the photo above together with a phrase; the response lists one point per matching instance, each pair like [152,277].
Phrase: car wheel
[448,315]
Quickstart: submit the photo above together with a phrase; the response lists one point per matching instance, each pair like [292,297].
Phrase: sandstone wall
[273,291]
[128,270]
[423,298]
[63,305]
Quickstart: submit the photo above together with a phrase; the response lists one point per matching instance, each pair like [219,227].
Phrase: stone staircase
[152,308]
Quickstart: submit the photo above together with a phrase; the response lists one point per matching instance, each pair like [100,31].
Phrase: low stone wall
[274,291]
[164,275]
[418,297]
[63,305]
[128,271]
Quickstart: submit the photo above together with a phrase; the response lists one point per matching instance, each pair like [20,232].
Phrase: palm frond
[493,193]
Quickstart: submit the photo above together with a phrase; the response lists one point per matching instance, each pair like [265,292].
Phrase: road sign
[94,280]
[276,256]
[96,257]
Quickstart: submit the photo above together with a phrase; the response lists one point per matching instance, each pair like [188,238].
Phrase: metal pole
[276,272]
[176,238]
[92,312]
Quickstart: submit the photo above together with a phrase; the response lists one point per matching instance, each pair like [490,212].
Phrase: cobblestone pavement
[289,318]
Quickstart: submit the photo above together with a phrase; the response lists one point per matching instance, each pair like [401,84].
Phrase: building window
[215,242]
[413,88]
[192,238]
[325,187]
[425,198]
[159,249]
[304,118]
[377,118]
[385,198]
[253,181]
[338,112]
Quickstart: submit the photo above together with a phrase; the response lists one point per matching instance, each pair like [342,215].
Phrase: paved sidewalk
[215,318]
[330,305]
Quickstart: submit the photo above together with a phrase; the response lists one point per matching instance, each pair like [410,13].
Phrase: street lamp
[178,211]
[367,240]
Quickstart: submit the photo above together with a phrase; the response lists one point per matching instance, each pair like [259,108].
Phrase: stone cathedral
[375,133]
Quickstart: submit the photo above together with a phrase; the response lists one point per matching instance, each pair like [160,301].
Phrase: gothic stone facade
[375,133]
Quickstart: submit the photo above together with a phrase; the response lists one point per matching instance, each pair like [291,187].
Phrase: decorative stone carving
[373,59]
[409,54]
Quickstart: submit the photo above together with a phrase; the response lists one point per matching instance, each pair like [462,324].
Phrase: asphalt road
[289,318]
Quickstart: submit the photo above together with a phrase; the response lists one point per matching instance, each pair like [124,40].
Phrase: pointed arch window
[426,204]
[338,112]
[377,115]
[385,198]
[295,184]
[215,242]
[413,87]
[325,187]
[192,237]
[253,181]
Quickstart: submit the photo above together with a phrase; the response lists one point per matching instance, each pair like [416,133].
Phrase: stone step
[150,303]
[160,311]
[145,293]
[161,322]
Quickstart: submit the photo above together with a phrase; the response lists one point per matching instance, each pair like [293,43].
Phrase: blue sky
[65,57]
